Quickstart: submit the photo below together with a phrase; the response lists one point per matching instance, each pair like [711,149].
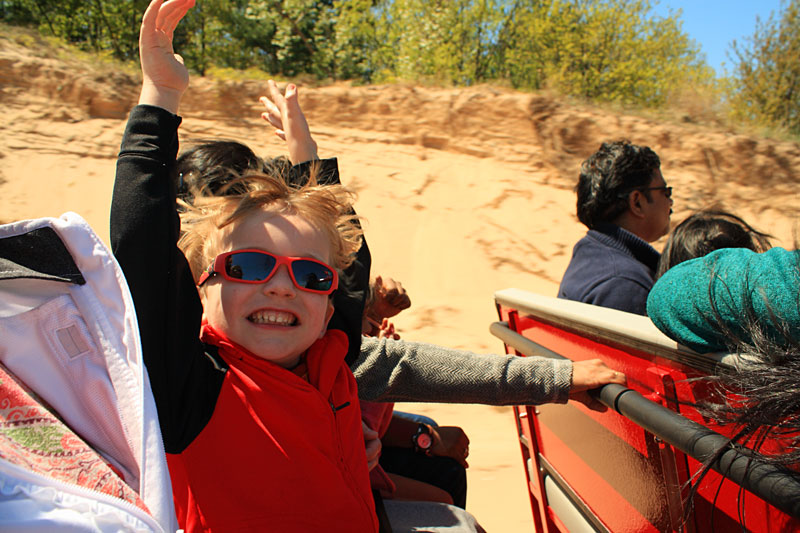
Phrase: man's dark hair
[608,176]
[708,230]
[209,166]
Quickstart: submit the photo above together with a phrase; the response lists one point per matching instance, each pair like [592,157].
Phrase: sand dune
[463,191]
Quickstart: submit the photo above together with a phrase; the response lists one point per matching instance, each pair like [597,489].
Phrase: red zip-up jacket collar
[279,453]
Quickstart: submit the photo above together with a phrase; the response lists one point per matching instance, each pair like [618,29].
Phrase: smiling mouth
[278,318]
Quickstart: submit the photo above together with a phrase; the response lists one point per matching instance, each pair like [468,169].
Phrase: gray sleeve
[400,371]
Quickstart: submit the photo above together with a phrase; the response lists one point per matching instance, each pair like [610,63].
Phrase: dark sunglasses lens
[312,276]
[249,266]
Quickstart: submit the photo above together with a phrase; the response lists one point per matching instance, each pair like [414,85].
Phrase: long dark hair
[757,395]
[209,168]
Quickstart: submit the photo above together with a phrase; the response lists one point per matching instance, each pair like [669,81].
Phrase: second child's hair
[327,207]
[706,231]
[208,167]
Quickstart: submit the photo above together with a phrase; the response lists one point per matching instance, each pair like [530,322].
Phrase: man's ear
[635,203]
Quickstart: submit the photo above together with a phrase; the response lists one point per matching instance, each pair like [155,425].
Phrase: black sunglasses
[667,190]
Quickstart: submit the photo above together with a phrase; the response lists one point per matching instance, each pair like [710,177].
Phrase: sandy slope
[464,192]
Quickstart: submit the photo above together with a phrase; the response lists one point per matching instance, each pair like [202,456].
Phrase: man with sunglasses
[625,203]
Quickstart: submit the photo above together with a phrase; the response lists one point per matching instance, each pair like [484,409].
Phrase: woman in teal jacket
[748,303]
[710,302]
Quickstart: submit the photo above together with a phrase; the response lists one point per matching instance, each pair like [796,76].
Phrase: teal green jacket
[681,303]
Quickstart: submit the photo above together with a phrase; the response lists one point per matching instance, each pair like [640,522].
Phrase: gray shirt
[401,371]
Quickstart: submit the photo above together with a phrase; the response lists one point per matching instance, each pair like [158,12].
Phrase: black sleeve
[184,376]
[348,301]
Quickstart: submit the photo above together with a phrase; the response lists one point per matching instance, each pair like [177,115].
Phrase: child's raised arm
[144,233]
[283,112]
[164,76]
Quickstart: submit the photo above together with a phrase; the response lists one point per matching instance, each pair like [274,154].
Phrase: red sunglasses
[258,266]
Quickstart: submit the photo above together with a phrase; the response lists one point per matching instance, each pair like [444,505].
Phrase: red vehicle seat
[591,471]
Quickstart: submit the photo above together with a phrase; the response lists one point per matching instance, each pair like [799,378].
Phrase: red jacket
[279,453]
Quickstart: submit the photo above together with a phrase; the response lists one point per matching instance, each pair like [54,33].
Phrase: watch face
[424,441]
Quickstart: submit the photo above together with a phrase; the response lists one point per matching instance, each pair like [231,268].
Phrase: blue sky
[714,24]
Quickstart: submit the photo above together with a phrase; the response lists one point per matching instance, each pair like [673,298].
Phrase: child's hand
[164,76]
[285,114]
[451,441]
[372,443]
[387,331]
[390,298]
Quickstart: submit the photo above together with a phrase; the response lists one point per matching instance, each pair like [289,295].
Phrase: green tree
[228,33]
[607,50]
[96,25]
[766,80]
[355,42]
[450,41]
[19,12]
[302,35]
[614,50]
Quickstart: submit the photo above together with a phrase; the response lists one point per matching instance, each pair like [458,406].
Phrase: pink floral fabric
[35,439]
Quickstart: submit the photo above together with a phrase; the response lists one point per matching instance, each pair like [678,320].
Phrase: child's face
[274,320]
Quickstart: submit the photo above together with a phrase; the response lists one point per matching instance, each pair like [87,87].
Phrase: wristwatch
[423,439]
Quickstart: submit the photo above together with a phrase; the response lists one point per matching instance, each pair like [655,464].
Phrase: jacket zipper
[345,468]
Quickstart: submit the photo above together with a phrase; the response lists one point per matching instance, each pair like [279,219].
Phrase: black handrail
[774,484]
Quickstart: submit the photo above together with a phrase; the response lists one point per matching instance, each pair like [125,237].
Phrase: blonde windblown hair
[326,207]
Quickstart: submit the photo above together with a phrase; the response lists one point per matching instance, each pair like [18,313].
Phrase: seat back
[593,471]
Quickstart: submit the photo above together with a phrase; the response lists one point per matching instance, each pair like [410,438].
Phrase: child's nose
[280,284]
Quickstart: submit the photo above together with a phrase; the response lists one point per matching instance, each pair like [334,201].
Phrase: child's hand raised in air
[164,76]
[386,330]
[283,112]
[390,297]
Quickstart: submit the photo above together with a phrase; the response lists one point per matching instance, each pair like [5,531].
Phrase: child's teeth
[273,317]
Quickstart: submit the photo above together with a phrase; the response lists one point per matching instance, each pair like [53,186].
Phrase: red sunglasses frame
[218,267]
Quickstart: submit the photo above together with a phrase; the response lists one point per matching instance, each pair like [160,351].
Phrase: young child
[259,411]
